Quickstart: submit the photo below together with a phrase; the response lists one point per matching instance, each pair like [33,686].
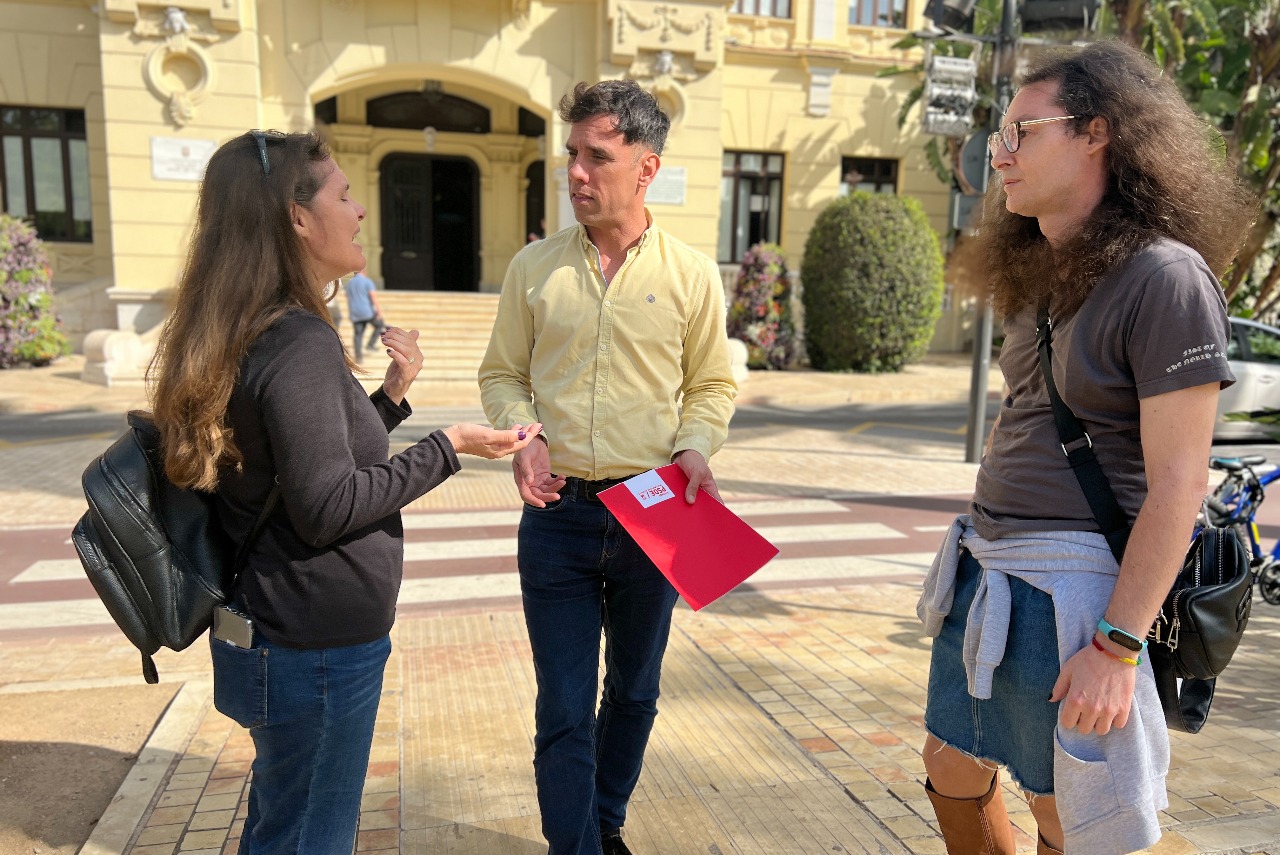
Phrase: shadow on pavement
[64,424]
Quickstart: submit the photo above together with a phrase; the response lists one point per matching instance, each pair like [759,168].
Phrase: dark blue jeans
[311,714]
[580,574]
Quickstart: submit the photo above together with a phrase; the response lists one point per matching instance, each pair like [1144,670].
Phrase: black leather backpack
[155,552]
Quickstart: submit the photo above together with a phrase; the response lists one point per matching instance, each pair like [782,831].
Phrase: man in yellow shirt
[612,334]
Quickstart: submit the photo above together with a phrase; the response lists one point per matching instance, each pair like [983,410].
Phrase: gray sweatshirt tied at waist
[1110,788]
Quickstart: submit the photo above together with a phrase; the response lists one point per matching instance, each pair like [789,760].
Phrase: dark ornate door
[430,223]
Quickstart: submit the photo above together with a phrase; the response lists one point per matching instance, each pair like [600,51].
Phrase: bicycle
[1234,503]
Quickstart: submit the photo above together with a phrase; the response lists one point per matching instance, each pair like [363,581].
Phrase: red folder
[704,549]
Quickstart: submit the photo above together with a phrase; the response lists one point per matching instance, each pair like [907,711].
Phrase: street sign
[966,212]
[975,160]
[950,93]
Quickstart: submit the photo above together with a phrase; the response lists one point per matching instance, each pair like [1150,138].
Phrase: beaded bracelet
[1126,660]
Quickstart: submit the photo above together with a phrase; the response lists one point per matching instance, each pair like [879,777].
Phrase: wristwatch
[1120,637]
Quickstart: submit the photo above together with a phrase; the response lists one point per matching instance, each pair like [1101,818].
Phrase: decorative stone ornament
[177,71]
[663,73]
[690,28]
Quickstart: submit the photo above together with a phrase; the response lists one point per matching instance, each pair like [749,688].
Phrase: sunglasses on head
[262,138]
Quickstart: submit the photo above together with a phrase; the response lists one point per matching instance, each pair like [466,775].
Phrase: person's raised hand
[534,480]
[484,441]
[406,361]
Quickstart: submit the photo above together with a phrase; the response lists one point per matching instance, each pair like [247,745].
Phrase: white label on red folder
[649,488]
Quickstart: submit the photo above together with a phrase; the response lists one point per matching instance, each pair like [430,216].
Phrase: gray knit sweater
[326,570]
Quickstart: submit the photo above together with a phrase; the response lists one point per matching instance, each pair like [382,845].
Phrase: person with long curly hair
[1112,213]
[254,392]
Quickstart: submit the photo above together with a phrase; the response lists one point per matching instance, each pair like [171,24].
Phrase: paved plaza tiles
[791,712]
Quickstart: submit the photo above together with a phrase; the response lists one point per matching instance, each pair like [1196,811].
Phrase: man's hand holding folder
[703,548]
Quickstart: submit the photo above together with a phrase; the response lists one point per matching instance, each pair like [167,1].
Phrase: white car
[1254,356]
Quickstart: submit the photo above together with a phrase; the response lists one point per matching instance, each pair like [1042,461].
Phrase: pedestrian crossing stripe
[91,612]
[63,569]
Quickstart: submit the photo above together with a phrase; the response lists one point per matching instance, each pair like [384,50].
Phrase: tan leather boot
[974,826]
[1043,848]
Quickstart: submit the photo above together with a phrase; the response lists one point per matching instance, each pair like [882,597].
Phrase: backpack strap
[1078,447]
[242,554]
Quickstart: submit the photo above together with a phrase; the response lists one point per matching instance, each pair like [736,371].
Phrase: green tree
[872,275]
[1225,57]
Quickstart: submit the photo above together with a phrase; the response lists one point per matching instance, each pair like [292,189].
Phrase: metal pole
[976,435]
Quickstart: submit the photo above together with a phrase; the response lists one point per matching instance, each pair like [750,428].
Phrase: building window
[44,170]
[530,124]
[750,202]
[429,108]
[878,13]
[872,174]
[327,111]
[763,8]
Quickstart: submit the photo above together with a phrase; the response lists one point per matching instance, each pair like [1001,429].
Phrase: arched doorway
[430,223]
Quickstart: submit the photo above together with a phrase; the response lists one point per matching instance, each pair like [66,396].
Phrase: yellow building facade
[442,114]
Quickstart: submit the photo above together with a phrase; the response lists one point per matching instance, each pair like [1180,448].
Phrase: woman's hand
[484,441]
[406,362]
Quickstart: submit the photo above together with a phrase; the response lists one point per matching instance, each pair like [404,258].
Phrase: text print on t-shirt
[1192,355]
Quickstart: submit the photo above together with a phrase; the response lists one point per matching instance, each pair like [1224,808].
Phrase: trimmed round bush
[760,314]
[28,327]
[872,276]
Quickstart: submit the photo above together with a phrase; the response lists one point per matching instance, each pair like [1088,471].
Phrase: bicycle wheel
[1269,582]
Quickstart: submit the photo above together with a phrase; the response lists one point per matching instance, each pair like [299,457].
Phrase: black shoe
[611,843]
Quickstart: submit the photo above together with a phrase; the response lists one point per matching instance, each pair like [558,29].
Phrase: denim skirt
[1014,727]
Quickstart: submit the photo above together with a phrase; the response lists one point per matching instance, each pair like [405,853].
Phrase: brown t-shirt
[1156,324]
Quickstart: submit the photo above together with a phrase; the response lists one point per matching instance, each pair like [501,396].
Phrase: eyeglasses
[1011,134]
[262,137]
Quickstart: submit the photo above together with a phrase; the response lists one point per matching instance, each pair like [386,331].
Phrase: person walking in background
[253,389]
[612,334]
[1112,211]
[364,311]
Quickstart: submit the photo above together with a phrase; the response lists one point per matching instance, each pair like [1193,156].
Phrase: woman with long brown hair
[254,392]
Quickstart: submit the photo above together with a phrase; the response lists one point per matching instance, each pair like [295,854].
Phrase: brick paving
[791,719]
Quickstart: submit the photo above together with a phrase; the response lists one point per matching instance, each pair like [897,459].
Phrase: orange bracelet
[1126,660]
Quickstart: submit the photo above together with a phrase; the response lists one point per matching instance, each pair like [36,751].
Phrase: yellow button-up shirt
[622,375]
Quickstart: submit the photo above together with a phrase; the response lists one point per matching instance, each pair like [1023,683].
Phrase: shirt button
[600,391]
[608,302]
[597,433]
[603,348]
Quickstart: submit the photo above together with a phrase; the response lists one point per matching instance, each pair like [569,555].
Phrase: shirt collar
[645,239]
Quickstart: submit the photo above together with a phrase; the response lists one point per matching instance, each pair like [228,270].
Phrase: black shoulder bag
[1204,615]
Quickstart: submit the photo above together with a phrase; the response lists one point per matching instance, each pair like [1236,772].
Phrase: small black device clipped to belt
[589,490]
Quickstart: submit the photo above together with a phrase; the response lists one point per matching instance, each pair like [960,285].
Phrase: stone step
[454,327]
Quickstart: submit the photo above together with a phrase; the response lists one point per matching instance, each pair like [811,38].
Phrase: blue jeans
[581,573]
[311,714]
